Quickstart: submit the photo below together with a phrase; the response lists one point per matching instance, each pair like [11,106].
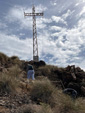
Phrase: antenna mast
[35,43]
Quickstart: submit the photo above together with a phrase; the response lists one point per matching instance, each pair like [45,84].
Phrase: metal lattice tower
[35,43]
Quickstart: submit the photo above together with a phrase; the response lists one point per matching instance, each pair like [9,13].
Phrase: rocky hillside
[18,96]
[68,77]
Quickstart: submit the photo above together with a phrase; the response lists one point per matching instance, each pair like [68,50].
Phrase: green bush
[42,91]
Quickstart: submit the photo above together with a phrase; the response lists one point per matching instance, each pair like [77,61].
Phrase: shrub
[65,104]
[14,71]
[50,71]
[42,91]
[34,108]
[30,108]
[15,60]
[50,68]
[44,108]
[14,57]
[9,80]
[80,104]
[3,58]
[8,84]
[45,70]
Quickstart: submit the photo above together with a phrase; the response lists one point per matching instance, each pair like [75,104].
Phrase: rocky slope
[16,96]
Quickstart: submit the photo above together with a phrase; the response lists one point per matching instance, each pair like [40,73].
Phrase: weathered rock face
[73,79]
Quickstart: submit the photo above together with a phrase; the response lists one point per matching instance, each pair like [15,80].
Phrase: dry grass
[49,71]
[15,60]
[65,104]
[42,91]
[9,80]
[3,58]
[80,104]
[51,68]
[34,108]
[30,108]
[8,84]
[53,100]
[44,108]
[14,71]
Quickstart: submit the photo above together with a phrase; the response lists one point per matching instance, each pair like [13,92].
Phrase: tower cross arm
[33,14]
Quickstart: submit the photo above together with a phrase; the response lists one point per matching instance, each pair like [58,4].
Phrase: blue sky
[61,31]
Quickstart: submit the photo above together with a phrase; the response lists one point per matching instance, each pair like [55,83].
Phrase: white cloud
[83,0]
[46,20]
[68,13]
[56,28]
[61,31]
[76,4]
[83,11]
[59,19]
[40,8]
[81,27]
[12,45]
[53,3]
[40,24]
[68,45]
[16,15]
